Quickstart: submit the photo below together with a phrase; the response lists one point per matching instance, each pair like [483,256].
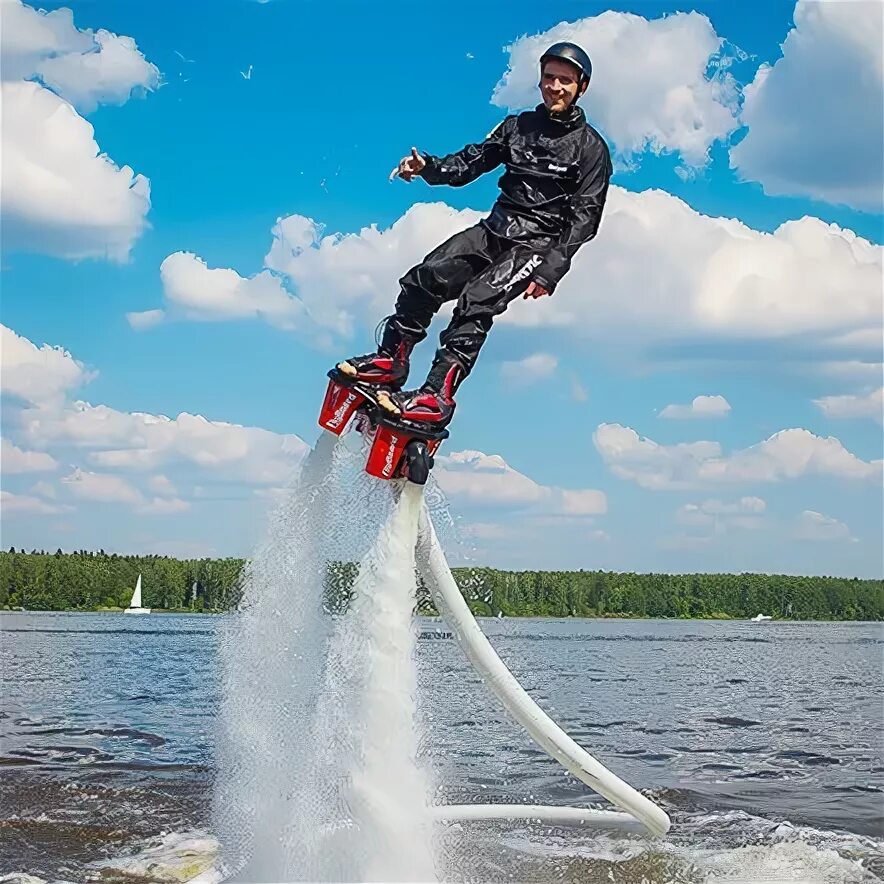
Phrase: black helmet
[571,53]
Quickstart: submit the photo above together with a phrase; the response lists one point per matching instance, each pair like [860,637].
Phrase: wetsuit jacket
[554,188]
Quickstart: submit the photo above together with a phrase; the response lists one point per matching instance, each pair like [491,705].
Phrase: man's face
[559,85]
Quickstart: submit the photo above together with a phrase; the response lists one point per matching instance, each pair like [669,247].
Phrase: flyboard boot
[363,390]
[356,383]
[387,369]
[432,404]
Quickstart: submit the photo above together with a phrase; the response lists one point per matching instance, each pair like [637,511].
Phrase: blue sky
[567,460]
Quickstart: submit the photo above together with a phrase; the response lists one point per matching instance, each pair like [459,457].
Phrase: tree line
[88,581]
[613,594]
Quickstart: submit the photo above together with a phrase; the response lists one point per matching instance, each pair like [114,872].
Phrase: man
[551,201]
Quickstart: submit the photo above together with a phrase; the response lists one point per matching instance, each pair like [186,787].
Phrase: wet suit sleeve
[468,164]
[586,214]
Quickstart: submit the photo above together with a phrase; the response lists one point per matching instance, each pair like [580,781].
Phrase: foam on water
[746,849]
[757,852]
[788,853]
[177,856]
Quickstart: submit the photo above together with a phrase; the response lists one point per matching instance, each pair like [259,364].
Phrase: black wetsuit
[551,201]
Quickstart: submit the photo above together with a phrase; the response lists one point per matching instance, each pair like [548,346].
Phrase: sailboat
[135,604]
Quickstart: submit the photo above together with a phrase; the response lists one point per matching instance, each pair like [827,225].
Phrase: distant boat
[135,604]
[760,618]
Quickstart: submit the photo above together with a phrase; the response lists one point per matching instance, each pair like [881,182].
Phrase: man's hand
[535,290]
[410,166]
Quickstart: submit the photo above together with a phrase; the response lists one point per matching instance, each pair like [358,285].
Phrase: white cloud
[691,514]
[811,525]
[105,76]
[102,487]
[162,485]
[588,502]
[790,454]
[136,441]
[144,319]
[745,505]
[14,460]
[531,368]
[472,477]
[118,440]
[109,488]
[743,513]
[851,369]
[747,523]
[701,406]
[650,88]
[37,374]
[660,279]
[338,279]
[814,116]
[83,67]
[651,465]
[485,479]
[787,454]
[61,195]
[868,405]
[487,531]
[195,291]
[661,275]
[162,506]
[45,489]
[530,526]
[119,452]
[579,393]
[344,277]
[23,503]
[30,36]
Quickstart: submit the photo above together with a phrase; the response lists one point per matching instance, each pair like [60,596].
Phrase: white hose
[545,732]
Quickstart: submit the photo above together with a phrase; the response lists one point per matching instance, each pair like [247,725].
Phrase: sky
[197,222]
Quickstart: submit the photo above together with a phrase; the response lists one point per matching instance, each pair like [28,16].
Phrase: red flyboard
[338,407]
[386,452]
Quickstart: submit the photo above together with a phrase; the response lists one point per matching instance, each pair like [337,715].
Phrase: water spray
[318,771]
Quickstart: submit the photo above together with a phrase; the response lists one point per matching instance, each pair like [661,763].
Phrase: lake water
[762,741]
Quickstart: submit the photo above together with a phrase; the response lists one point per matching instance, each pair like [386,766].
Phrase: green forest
[91,581]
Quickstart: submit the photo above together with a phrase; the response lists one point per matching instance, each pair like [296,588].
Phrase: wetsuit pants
[482,271]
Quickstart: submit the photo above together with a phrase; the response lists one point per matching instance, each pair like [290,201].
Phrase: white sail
[136,596]
[135,604]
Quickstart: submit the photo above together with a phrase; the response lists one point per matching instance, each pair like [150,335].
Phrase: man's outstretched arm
[586,214]
[467,165]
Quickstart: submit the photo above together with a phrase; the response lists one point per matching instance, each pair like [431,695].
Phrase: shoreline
[429,615]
